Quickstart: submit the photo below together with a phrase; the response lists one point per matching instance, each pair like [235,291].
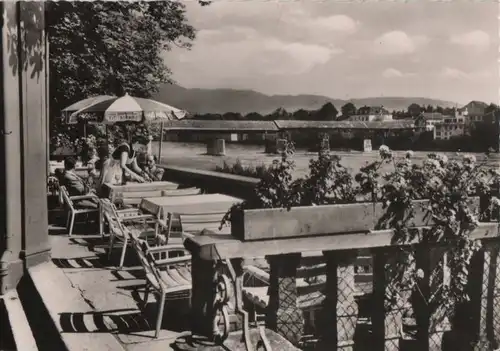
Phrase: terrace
[315,287]
[61,292]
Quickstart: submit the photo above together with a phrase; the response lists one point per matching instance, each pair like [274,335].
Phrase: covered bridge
[345,125]
[203,130]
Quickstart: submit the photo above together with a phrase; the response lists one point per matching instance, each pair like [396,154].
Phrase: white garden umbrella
[81,104]
[84,103]
[128,109]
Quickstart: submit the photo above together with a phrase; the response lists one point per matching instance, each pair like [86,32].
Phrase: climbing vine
[447,186]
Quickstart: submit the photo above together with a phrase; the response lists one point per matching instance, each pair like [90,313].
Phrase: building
[451,126]
[371,114]
[428,120]
[475,111]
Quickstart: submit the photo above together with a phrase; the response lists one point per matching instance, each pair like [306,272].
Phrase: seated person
[75,185]
[153,172]
[91,164]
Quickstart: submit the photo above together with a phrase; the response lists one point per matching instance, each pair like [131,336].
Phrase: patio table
[136,190]
[202,203]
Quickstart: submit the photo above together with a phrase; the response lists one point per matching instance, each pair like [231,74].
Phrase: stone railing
[210,181]
[312,256]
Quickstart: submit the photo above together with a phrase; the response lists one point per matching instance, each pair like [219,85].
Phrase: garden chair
[120,222]
[192,223]
[166,277]
[73,208]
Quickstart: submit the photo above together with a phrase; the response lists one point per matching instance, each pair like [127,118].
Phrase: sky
[344,49]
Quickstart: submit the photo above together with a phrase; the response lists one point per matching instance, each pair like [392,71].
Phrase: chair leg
[122,258]
[146,295]
[159,319]
[72,223]
[68,219]
[101,223]
[111,242]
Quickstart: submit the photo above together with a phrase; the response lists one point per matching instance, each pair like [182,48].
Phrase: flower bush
[239,169]
[447,185]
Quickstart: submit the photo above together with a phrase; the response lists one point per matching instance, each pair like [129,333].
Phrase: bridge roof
[397,124]
[220,125]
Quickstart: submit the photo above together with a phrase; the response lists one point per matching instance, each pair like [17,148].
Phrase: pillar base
[11,271]
[36,257]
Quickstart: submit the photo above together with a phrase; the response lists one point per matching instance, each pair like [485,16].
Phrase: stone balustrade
[349,313]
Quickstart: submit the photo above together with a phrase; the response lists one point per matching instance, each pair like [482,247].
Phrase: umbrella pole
[161,142]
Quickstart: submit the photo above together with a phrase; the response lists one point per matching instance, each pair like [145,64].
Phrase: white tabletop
[132,186]
[189,203]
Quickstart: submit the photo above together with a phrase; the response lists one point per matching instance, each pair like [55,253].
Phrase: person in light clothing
[121,166]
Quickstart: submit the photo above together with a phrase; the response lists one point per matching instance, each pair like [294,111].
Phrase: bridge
[284,125]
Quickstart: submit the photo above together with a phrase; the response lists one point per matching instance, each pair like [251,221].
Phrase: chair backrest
[112,217]
[147,262]
[65,196]
[196,222]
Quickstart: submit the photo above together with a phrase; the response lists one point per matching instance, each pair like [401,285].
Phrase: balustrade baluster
[431,327]
[479,320]
[284,315]
[387,315]
[203,274]
[340,311]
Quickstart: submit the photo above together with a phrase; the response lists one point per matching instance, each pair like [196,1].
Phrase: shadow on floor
[95,261]
[113,321]
[129,273]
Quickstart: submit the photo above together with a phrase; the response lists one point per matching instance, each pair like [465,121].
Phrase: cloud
[454,73]
[398,43]
[336,23]
[476,39]
[246,52]
[394,73]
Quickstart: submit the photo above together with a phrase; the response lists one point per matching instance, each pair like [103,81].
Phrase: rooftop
[433,115]
[220,125]
[398,124]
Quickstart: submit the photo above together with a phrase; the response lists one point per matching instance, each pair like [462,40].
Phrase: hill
[246,101]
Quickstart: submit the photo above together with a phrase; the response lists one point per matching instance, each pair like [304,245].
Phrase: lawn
[193,155]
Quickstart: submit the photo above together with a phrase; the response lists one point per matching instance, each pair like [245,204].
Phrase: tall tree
[414,110]
[254,116]
[232,116]
[301,115]
[279,113]
[348,110]
[327,112]
[112,47]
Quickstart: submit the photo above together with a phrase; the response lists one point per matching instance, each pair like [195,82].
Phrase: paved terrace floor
[95,306]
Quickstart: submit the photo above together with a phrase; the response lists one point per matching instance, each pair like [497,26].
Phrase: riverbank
[194,155]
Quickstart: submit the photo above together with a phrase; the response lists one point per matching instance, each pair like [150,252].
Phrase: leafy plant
[446,185]
[239,169]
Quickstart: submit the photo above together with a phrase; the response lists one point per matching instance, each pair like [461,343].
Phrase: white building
[429,119]
[451,126]
[371,114]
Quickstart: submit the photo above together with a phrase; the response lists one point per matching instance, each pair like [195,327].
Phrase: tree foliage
[327,112]
[348,110]
[447,185]
[102,47]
